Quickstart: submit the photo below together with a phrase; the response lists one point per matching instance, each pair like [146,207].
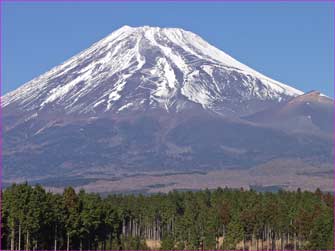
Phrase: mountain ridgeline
[149,100]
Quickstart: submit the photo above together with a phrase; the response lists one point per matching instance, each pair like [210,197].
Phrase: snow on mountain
[157,100]
[140,68]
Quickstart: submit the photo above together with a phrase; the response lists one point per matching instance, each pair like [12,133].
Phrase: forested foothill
[34,219]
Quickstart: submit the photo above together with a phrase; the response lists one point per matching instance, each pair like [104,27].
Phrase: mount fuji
[151,101]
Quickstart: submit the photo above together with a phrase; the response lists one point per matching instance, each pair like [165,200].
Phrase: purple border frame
[151,1]
[167,1]
[0,122]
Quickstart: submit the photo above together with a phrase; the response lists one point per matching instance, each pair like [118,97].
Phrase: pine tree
[72,216]
[34,219]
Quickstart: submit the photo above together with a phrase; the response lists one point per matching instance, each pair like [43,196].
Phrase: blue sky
[290,42]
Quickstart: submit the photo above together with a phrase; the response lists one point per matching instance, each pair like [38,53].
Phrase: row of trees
[222,219]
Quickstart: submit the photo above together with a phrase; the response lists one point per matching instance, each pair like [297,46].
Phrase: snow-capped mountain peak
[155,100]
[140,68]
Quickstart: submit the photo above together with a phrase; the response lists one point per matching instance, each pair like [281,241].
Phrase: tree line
[34,219]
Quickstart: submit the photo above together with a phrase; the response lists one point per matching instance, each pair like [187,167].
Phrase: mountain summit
[153,102]
[142,68]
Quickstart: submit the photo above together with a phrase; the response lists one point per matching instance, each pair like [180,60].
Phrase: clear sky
[289,42]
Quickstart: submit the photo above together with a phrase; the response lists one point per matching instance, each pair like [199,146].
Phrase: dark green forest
[34,219]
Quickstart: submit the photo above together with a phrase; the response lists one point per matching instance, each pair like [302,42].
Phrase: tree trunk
[281,242]
[123,227]
[243,243]
[268,240]
[27,240]
[19,235]
[12,240]
[35,245]
[55,241]
[68,242]
[253,240]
